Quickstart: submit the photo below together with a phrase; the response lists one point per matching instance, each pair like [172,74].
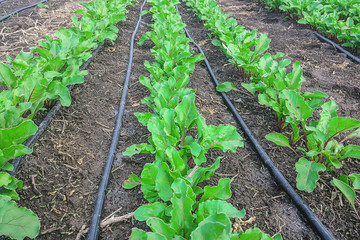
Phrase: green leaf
[202,174]
[226,87]
[148,187]
[5,179]
[355,178]
[342,124]
[18,134]
[17,222]
[308,174]
[186,113]
[57,90]
[295,78]
[255,234]
[350,151]
[278,139]
[216,42]
[345,189]
[299,111]
[138,234]
[7,78]
[211,207]
[221,191]
[157,225]
[163,182]
[214,227]
[132,182]
[175,159]
[224,137]
[139,148]
[145,212]
[182,220]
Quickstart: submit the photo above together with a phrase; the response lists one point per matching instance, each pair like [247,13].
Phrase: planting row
[320,144]
[180,140]
[36,79]
[336,18]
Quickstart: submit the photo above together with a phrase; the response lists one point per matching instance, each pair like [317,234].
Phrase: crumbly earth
[61,177]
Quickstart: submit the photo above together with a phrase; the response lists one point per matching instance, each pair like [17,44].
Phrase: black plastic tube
[314,221]
[337,46]
[95,220]
[21,9]
[43,125]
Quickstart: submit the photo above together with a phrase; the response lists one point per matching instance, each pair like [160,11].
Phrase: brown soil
[62,175]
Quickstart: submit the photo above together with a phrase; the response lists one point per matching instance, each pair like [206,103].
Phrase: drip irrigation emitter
[311,217]
[337,46]
[95,220]
[21,9]
[43,125]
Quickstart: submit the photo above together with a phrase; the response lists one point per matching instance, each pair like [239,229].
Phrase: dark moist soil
[61,177]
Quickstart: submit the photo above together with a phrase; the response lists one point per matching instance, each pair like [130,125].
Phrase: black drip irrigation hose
[21,9]
[337,46]
[314,221]
[95,220]
[43,125]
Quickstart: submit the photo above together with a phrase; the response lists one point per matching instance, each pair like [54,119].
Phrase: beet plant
[180,139]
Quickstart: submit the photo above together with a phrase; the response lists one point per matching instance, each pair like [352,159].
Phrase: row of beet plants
[337,19]
[320,143]
[36,79]
[180,139]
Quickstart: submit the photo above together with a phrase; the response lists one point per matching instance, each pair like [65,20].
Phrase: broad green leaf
[331,107]
[211,207]
[202,174]
[132,182]
[139,148]
[224,137]
[138,234]
[345,189]
[278,139]
[148,177]
[342,124]
[186,113]
[20,223]
[175,159]
[254,234]
[316,94]
[157,225]
[214,227]
[350,151]
[221,191]
[143,118]
[226,87]
[308,174]
[145,212]
[18,134]
[163,182]
[5,179]
[295,78]
[355,178]
[12,116]
[7,78]
[170,127]
[299,111]
[216,42]
[182,220]
[58,91]
[160,138]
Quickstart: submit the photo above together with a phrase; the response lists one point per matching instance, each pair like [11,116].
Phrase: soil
[61,177]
